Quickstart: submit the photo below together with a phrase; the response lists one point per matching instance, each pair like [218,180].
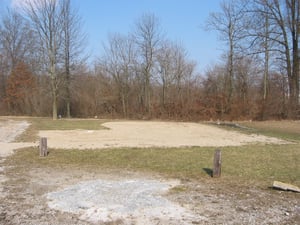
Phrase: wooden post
[217,164]
[43,147]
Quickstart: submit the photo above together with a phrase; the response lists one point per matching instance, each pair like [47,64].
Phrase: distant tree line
[143,74]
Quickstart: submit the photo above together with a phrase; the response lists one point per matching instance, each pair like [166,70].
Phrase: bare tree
[293,23]
[229,24]
[2,79]
[17,44]
[258,38]
[213,91]
[119,61]
[283,17]
[245,71]
[73,46]
[46,18]
[174,75]
[148,37]
[166,69]
[17,39]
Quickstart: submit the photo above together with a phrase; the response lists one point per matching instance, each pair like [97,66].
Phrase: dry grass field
[67,186]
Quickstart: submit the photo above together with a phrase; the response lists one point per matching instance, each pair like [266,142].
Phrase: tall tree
[16,39]
[293,21]
[17,44]
[119,62]
[166,69]
[284,16]
[73,46]
[173,69]
[46,18]
[258,44]
[229,24]
[148,37]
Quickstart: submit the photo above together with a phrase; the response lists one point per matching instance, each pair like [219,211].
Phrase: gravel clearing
[137,201]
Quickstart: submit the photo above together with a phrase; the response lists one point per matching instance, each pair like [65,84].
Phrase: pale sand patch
[9,130]
[6,149]
[151,134]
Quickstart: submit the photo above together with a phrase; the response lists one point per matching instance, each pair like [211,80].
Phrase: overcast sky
[181,20]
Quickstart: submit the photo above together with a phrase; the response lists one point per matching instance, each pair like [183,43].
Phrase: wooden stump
[43,147]
[217,164]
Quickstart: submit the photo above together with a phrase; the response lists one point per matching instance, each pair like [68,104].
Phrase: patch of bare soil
[76,196]
[99,197]
[151,134]
[9,130]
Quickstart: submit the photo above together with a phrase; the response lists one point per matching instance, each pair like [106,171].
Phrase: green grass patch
[287,130]
[249,163]
[66,124]
[38,124]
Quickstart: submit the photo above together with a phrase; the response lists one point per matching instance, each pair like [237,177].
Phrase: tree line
[143,74]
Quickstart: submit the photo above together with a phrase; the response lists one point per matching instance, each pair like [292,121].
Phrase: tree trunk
[54,107]
[294,86]
[163,93]
[147,93]
[229,79]
[68,94]
[266,63]
[54,88]
[124,109]
[266,68]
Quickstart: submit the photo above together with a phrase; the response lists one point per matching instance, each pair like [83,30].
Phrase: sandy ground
[151,134]
[9,130]
[68,196]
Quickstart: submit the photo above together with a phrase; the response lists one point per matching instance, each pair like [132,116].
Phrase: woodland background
[44,69]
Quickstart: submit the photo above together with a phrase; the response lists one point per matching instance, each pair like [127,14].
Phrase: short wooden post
[43,147]
[217,164]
